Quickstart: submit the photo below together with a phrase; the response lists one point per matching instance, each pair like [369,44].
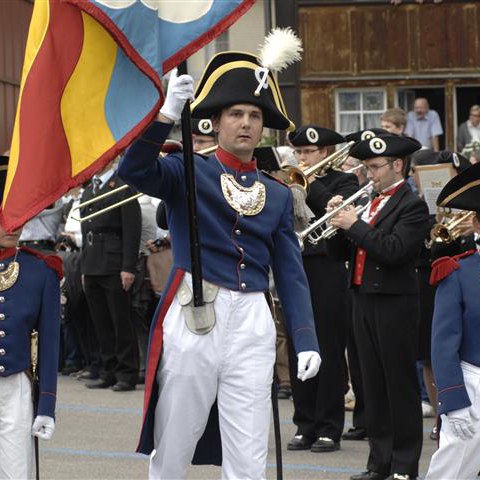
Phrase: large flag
[91,83]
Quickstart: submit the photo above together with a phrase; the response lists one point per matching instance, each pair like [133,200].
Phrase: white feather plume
[280,49]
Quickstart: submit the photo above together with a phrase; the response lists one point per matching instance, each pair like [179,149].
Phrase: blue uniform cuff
[46,404]
[305,340]
[453,398]
[156,132]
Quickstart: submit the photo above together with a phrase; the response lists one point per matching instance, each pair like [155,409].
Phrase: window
[220,44]
[359,109]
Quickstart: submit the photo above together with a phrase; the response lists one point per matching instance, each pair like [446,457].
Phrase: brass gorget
[10,275]
[244,200]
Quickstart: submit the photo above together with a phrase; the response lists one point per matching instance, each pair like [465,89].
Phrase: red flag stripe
[41,99]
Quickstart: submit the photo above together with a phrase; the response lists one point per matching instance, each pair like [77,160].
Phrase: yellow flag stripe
[36,35]
[82,106]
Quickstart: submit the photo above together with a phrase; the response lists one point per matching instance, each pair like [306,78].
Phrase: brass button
[2,266]
[243,286]
[2,316]
[2,299]
[243,178]
[243,266]
[2,368]
[2,334]
[241,249]
[2,351]
[238,232]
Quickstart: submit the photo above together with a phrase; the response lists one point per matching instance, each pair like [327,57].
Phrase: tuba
[296,176]
[321,229]
[450,228]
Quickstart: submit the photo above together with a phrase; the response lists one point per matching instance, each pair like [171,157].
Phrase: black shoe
[325,444]
[122,386]
[69,369]
[87,375]
[355,433]
[99,384]
[300,442]
[369,475]
[400,476]
[284,393]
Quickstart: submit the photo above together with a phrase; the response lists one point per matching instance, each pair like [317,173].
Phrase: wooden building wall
[14,21]
[364,44]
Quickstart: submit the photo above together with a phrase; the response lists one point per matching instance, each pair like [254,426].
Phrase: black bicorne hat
[385,146]
[366,134]
[202,126]
[462,191]
[236,77]
[314,135]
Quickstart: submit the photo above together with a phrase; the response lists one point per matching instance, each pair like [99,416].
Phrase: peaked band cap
[202,126]
[314,135]
[365,134]
[462,191]
[237,77]
[459,162]
[385,146]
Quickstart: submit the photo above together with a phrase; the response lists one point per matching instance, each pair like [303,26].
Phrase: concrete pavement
[97,431]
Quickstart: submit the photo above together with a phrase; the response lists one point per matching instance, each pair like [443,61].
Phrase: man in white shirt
[424,124]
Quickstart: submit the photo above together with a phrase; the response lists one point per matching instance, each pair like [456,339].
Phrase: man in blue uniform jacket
[29,300]
[455,343]
[245,227]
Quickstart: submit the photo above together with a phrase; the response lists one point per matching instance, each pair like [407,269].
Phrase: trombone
[451,227]
[296,176]
[321,229]
[205,151]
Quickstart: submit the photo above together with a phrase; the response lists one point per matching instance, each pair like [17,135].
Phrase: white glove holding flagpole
[43,427]
[308,365]
[180,89]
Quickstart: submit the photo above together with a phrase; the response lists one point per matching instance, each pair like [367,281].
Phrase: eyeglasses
[297,153]
[376,168]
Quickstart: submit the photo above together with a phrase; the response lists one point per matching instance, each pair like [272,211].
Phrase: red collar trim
[7,252]
[233,162]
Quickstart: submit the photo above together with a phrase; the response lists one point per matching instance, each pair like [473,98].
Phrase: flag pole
[191,199]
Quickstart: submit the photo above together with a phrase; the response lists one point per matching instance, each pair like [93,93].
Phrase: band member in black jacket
[109,254]
[319,403]
[381,248]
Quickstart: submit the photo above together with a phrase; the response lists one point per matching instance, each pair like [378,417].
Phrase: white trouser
[234,362]
[16,419]
[456,458]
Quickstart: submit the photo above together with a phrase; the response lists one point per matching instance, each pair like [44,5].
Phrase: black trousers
[319,402]
[386,330]
[110,309]
[358,417]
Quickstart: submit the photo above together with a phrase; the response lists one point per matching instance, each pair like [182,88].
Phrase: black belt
[46,244]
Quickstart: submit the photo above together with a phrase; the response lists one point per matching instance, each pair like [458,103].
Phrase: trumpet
[205,151]
[321,229]
[451,227]
[296,176]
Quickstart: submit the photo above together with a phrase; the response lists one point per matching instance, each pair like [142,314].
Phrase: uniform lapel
[391,204]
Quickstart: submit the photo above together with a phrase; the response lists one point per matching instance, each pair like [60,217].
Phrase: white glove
[180,89]
[308,365]
[461,423]
[43,427]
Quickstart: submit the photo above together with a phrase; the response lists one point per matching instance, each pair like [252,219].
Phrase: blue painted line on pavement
[72,407]
[139,456]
